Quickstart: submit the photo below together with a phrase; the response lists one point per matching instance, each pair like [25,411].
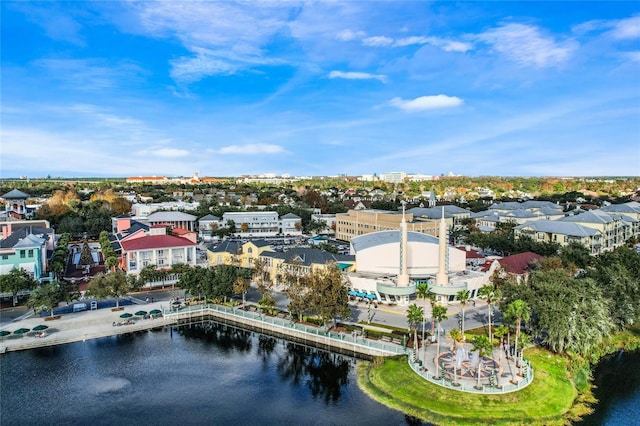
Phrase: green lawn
[544,401]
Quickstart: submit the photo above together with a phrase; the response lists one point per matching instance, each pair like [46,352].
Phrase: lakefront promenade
[496,377]
[93,324]
[78,326]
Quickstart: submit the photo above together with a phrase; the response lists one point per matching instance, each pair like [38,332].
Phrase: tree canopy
[574,310]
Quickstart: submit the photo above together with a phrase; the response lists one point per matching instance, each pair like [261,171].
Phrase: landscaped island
[560,393]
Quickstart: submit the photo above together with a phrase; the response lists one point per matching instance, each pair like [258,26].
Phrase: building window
[30,253]
[22,254]
[5,256]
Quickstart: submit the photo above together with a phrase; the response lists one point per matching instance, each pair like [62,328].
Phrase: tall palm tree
[518,311]
[415,315]
[456,337]
[483,345]
[439,314]
[423,291]
[491,294]
[500,332]
[463,297]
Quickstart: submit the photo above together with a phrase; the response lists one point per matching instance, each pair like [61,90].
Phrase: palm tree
[483,345]
[463,298]
[456,337]
[500,332]
[491,294]
[415,315]
[519,311]
[439,314]
[423,291]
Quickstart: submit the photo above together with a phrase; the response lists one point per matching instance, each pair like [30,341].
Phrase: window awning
[343,266]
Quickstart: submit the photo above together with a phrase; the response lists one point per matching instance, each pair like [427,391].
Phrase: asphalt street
[361,311]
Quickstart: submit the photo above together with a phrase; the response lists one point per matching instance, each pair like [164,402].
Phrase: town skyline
[106,89]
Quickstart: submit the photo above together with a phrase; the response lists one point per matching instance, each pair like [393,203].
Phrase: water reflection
[325,373]
[226,338]
[205,374]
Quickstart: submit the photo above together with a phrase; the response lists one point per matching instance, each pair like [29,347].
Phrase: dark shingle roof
[260,243]
[308,256]
[22,233]
[15,194]
[227,247]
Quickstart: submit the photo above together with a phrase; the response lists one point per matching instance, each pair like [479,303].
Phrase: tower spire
[442,278]
[403,276]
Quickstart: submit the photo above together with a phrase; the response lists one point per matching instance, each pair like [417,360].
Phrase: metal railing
[467,385]
[287,327]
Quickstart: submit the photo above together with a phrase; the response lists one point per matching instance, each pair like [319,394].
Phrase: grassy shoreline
[553,398]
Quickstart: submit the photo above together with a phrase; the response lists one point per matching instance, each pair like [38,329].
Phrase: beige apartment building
[360,222]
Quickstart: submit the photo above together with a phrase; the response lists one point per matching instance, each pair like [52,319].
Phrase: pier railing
[285,326]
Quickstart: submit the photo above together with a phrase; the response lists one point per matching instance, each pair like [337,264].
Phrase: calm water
[218,376]
[617,379]
[192,377]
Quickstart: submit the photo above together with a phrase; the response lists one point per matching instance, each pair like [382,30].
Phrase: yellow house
[236,253]
[302,261]
[299,261]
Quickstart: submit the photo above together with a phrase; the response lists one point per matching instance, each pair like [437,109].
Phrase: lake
[212,375]
[221,375]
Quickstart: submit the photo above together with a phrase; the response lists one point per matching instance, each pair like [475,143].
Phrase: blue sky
[320,88]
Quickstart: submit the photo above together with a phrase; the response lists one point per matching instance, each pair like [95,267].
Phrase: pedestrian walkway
[78,326]
[440,365]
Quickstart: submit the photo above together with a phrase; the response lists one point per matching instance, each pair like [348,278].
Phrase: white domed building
[391,263]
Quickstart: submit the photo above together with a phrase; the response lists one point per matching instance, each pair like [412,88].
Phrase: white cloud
[357,76]
[190,69]
[89,74]
[626,28]
[348,35]
[525,45]
[168,152]
[252,149]
[377,41]
[408,41]
[622,29]
[455,46]
[426,103]
[444,44]
[224,37]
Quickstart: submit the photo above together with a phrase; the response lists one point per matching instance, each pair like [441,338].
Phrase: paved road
[361,312]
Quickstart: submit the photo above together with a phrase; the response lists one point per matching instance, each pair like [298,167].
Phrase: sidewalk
[78,326]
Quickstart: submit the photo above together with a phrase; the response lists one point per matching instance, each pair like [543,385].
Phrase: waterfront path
[92,324]
[78,326]
[98,323]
